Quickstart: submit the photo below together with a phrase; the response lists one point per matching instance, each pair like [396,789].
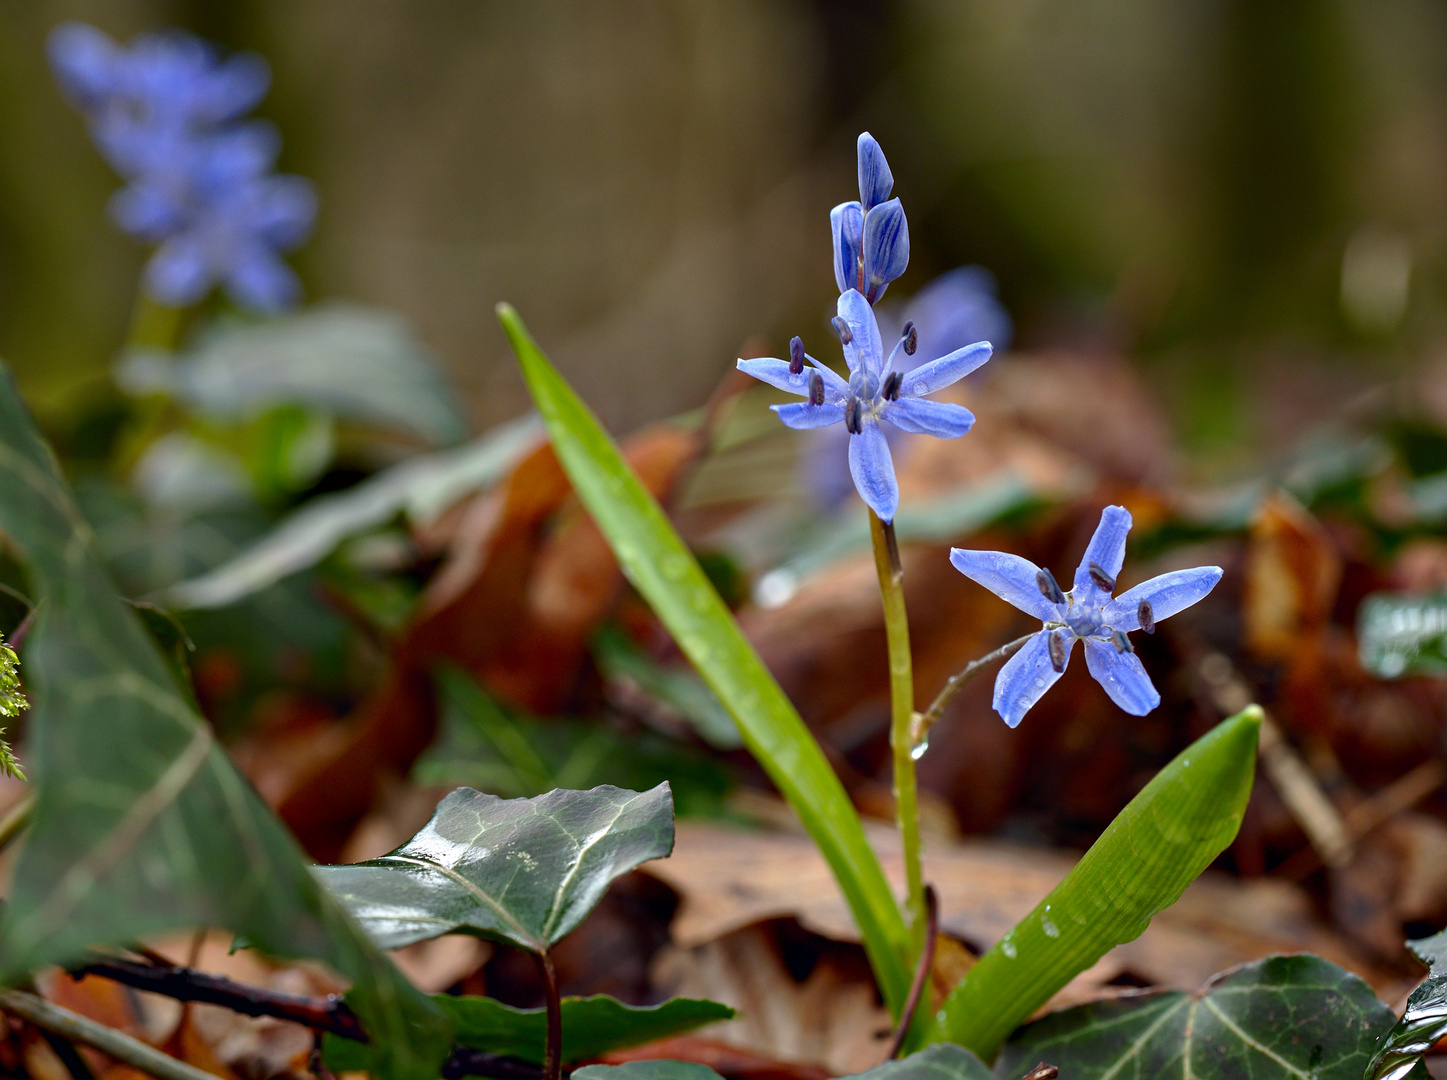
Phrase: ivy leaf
[591,1026]
[141,824]
[1282,1018]
[1423,1022]
[525,871]
[942,1061]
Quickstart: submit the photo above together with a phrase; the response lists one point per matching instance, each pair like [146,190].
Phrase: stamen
[841,328]
[1101,578]
[1146,617]
[910,336]
[892,382]
[852,419]
[1058,652]
[1049,587]
[796,356]
[816,389]
[1121,642]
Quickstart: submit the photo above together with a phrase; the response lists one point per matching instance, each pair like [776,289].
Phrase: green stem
[154,328]
[920,727]
[553,1053]
[901,700]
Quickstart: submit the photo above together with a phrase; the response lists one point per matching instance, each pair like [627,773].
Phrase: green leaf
[663,570]
[1400,634]
[348,361]
[591,1026]
[1423,1022]
[1141,864]
[421,487]
[141,824]
[677,688]
[1282,1018]
[525,871]
[943,1061]
[647,1070]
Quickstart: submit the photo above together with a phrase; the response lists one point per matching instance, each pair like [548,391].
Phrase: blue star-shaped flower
[1086,613]
[874,392]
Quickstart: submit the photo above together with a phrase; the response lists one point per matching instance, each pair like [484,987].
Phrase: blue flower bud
[886,247]
[875,179]
[847,222]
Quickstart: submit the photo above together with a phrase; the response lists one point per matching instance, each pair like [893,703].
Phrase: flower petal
[937,418]
[875,179]
[938,374]
[865,347]
[86,63]
[1009,577]
[886,246]
[258,279]
[776,373]
[847,222]
[873,469]
[179,273]
[1167,594]
[1106,549]
[801,416]
[1122,676]
[1026,676]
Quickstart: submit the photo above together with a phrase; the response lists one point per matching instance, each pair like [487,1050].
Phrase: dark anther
[1049,587]
[1058,652]
[796,356]
[910,337]
[852,420]
[842,329]
[1101,578]
[1121,642]
[892,382]
[816,389]
[1146,617]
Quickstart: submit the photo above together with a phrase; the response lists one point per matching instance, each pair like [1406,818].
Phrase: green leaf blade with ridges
[1142,863]
[524,871]
[141,824]
[663,570]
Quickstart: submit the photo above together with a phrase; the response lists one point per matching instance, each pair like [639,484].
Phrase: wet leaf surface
[591,1026]
[943,1061]
[525,871]
[1283,1018]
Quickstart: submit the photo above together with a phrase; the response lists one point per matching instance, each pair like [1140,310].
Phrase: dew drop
[920,749]
[1007,947]
[1051,930]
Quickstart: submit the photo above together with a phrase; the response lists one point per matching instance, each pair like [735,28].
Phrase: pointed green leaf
[647,1070]
[1141,864]
[1282,1018]
[943,1061]
[141,824]
[591,1026]
[524,871]
[662,569]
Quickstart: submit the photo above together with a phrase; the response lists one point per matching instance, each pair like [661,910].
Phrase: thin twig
[553,1056]
[18,635]
[50,1017]
[956,682]
[184,984]
[69,1056]
[921,972]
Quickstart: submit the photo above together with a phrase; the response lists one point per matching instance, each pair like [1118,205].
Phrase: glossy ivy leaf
[591,1026]
[1282,1018]
[525,871]
[1165,837]
[666,574]
[1423,1022]
[141,825]
[943,1061]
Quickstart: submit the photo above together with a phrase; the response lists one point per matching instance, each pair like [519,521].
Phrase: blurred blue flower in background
[166,113]
[954,310]
[876,391]
[1086,613]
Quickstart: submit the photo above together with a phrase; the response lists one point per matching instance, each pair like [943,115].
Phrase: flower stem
[901,698]
[919,727]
